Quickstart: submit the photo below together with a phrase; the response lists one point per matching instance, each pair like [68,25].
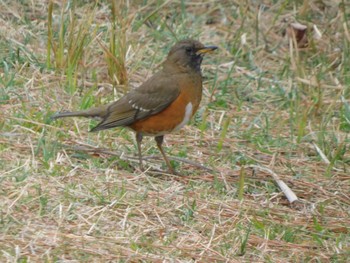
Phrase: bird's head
[188,54]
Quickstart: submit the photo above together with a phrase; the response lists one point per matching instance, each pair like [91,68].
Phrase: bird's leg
[139,140]
[159,140]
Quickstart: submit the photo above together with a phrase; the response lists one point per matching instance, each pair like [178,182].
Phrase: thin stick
[320,152]
[291,196]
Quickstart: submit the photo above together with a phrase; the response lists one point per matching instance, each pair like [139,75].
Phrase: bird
[163,104]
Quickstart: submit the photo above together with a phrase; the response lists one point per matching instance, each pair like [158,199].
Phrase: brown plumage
[162,104]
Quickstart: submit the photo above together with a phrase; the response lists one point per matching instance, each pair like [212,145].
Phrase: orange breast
[167,120]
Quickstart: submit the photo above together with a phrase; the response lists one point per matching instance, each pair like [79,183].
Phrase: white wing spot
[133,105]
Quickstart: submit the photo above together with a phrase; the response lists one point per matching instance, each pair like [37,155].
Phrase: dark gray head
[188,53]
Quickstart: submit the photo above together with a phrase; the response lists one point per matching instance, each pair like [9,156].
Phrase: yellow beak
[207,49]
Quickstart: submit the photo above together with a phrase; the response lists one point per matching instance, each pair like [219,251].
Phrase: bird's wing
[150,98]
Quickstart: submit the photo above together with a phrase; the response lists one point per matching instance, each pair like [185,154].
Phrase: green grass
[68,194]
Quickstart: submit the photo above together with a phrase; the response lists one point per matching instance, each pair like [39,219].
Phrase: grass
[70,195]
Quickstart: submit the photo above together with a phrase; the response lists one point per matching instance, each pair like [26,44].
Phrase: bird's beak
[207,49]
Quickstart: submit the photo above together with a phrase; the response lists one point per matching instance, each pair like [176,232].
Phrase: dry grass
[68,195]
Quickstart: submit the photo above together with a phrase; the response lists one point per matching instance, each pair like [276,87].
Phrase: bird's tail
[68,114]
[90,113]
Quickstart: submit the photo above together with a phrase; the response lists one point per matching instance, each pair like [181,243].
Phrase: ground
[276,103]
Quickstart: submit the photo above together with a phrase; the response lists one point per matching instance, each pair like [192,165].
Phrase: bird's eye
[189,49]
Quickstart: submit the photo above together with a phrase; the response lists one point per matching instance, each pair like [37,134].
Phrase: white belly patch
[187,117]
